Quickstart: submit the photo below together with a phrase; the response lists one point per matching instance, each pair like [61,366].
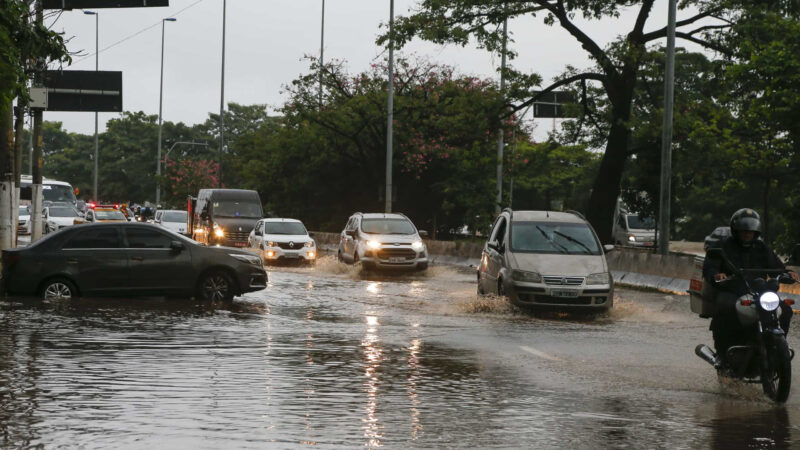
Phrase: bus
[52,191]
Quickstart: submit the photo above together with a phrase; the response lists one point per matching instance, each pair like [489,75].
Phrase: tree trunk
[603,201]
[6,174]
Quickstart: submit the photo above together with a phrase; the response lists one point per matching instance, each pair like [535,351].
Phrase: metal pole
[321,52]
[222,98]
[500,143]
[36,172]
[666,139]
[390,113]
[96,68]
[160,103]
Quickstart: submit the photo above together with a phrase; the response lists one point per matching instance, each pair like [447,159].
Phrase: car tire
[501,290]
[58,289]
[481,291]
[215,286]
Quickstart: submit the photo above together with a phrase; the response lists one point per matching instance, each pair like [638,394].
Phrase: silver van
[546,258]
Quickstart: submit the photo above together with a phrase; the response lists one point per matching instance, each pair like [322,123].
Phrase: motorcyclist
[745,250]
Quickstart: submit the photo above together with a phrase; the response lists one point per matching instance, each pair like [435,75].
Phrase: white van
[632,230]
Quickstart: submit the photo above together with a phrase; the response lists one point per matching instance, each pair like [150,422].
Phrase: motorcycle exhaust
[704,352]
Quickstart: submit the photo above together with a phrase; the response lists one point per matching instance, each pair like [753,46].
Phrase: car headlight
[769,301]
[522,275]
[598,278]
[417,245]
[631,238]
[373,245]
[250,259]
[310,244]
[218,232]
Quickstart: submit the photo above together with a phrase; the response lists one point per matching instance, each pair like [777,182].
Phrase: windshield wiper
[552,242]
[572,239]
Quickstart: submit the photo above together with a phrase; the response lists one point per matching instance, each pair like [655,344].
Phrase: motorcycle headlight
[250,259]
[310,244]
[769,301]
[598,278]
[417,245]
[374,245]
[530,277]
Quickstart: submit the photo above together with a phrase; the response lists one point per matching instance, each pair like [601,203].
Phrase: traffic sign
[551,105]
[92,4]
[83,90]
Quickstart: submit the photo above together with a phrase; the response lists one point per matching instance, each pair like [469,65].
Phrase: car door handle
[137,258]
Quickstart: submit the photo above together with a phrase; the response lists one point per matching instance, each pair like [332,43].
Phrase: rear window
[109,215]
[174,216]
[554,237]
[94,238]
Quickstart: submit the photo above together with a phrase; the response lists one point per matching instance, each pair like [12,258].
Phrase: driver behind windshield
[745,250]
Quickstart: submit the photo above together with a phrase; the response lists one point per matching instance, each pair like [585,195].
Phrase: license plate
[240,244]
[397,260]
[567,293]
[291,255]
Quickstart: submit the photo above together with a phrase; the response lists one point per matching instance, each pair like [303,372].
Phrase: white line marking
[544,355]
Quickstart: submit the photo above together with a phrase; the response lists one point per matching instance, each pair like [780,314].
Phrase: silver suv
[546,258]
[382,241]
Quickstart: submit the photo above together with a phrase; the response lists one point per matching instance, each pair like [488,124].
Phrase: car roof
[546,216]
[280,219]
[383,216]
[170,210]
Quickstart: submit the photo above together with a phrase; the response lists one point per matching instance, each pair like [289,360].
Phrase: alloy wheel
[216,288]
[57,291]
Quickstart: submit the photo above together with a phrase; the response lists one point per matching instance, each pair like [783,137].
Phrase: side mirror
[176,245]
[258,232]
[351,233]
[494,245]
[423,233]
[608,247]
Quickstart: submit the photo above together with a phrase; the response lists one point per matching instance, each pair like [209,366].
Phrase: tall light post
[390,113]
[500,143]
[160,103]
[666,138]
[321,52]
[222,96]
[96,68]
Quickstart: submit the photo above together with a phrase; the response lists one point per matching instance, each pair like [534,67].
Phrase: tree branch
[583,76]
[658,34]
[641,19]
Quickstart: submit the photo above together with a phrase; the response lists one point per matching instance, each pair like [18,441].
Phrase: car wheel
[59,289]
[216,286]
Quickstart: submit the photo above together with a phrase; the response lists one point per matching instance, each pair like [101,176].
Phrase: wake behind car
[283,240]
[546,259]
[130,259]
[382,241]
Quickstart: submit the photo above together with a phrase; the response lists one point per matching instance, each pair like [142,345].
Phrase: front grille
[237,235]
[558,280]
[563,300]
[294,246]
[406,253]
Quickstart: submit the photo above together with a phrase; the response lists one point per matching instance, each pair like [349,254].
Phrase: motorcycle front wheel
[776,377]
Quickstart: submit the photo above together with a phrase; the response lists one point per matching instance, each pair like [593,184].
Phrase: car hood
[228,223]
[63,220]
[569,265]
[26,217]
[391,238]
[287,238]
[642,233]
[228,250]
[174,225]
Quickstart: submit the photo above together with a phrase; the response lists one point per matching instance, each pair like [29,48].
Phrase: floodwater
[330,357]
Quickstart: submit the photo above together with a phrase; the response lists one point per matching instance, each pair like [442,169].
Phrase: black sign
[92,4]
[551,105]
[83,90]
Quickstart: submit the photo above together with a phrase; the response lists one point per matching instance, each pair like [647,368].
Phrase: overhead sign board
[83,90]
[551,105]
[93,4]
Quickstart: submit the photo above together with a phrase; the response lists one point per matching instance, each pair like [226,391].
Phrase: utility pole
[96,68]
[19,131]
[321,52]
[666,138]
[390,113]
[36,182]
[6,175]
[500,143]
[160,103]
[222,97]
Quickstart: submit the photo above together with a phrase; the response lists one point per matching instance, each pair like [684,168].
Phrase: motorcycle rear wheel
[777,376]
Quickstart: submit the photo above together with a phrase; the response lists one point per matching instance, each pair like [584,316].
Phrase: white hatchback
[172,219]
[283,240]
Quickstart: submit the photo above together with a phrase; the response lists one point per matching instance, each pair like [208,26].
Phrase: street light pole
[390,113]
[666,138]
[321,52]
[222,97]
[96,68]
[166,156]
[500,143]
[160,103]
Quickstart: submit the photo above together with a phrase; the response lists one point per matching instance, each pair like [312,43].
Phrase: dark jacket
[757,256]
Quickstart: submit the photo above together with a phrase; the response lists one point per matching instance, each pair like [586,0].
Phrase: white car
[58,217]
[172,219]
[283,240]
[24,225]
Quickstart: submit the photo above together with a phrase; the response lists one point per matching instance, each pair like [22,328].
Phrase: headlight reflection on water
[372,355]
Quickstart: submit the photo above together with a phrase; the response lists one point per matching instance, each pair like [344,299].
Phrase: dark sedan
[114,259]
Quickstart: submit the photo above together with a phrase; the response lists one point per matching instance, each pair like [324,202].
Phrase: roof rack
[572,211]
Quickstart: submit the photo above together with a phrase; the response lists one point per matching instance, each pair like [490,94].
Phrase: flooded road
[331,357]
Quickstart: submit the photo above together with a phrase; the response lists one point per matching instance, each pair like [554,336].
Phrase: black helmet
[746,219]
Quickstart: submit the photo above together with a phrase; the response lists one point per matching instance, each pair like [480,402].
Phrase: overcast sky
[266,41]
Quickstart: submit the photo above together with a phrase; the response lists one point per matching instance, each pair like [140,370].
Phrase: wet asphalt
[332,357]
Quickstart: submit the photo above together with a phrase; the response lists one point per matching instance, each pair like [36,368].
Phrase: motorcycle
[765,356]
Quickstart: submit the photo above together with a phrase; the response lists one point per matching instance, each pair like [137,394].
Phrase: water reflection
[736,428]
[372,356]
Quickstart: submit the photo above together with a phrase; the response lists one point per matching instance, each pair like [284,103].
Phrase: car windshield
[553,237]
[174,216]
[62,212]
[293,228]
[247,209]
[109,215]
[58,193]
[635,222]
[387,226]
[23,211]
